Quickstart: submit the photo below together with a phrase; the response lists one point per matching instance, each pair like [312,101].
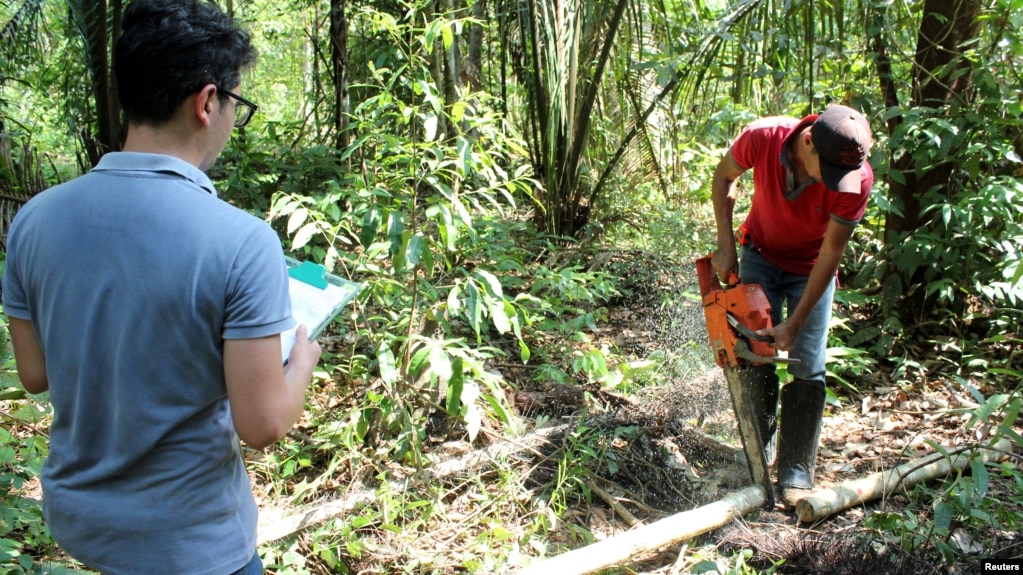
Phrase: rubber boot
[762,384]
[802,412]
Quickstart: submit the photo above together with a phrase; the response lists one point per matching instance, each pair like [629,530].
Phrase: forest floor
[607,458]
[660,469]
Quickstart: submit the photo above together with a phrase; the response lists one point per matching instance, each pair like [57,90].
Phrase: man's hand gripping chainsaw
[733,316]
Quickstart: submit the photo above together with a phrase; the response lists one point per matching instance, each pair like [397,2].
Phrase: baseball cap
[841,136]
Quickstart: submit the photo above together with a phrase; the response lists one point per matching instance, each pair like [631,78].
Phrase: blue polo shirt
[133,276]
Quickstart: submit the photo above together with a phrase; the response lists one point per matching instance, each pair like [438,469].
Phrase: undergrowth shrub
[24,538]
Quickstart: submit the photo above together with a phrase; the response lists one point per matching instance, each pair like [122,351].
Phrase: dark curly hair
[170,49]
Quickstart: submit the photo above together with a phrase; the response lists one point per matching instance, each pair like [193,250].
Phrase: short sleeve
[746,145]
[15,300]
[257,299]
[849,208]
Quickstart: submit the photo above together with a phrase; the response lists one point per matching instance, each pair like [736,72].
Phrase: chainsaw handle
[709,280]
[747,332]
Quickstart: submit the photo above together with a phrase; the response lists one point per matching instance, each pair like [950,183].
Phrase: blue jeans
[783,290]
[255,567]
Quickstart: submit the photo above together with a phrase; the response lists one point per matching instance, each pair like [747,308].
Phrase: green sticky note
[311,273]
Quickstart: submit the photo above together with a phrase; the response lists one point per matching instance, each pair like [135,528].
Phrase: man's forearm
[832,249]
[724,206]
[820,277]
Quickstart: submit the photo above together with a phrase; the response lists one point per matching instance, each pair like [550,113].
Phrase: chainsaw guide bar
[734,314]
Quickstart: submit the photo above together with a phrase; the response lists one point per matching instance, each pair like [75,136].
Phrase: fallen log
[652,536]
[825,502]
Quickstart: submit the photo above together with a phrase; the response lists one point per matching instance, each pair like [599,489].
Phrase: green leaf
[524,352]
[370,226]
[455,384]
[419,361]
[984,412]
[474,307]
[448,33]
[705,567]
[1017,276]
[10,393]
[943,515]
[395,232]
[431,32]
[414,252]
[499,316]
[448,229]
[297,218]
[283,204]
[1011,411]
[492,282]
[1009,432]
[388,370]
[361,521]
[981,479]
[9,549]
[472,416]
[454,298]
[440,363]
[305,233]
[431,126]
[499,408]
[984,516]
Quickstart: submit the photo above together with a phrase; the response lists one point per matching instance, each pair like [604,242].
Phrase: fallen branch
[622,512]
[277,524]
[827,502]
[667,531]
[712,444]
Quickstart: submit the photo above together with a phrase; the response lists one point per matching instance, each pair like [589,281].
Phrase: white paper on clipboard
[314,306]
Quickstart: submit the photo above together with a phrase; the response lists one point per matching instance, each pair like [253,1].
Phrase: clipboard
[317,297]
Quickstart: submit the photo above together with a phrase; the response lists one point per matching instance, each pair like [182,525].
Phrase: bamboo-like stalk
[826,502]
[667,531]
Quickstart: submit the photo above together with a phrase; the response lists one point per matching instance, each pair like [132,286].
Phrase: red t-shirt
[789,232]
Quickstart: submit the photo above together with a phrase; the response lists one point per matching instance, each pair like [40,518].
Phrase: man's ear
[205,99]
[808,141]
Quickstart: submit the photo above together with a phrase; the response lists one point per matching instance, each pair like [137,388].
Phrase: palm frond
[19,33]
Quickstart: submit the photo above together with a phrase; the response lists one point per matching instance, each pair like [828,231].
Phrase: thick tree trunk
[339,59]
[97,37]
[885,75]
[473,65]
[941,76]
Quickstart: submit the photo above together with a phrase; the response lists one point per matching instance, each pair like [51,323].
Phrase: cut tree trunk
[825,502]
[667,531]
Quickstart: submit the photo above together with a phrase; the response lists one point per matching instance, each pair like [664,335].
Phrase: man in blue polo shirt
[152,311]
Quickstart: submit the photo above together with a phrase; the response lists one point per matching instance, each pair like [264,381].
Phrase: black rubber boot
[762,384]
[802,412]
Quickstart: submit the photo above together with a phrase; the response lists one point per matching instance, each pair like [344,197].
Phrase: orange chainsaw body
[747,303]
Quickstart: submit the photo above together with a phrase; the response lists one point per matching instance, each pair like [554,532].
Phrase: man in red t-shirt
[811,181]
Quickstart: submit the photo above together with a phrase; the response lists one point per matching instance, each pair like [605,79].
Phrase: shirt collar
[159,163]
[792,193]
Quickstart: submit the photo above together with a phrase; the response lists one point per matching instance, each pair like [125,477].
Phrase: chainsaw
[734,314]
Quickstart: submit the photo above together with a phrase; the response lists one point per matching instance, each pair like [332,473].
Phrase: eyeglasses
[244,114]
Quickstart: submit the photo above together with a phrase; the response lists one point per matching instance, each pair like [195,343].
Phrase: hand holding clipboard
[317,297]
